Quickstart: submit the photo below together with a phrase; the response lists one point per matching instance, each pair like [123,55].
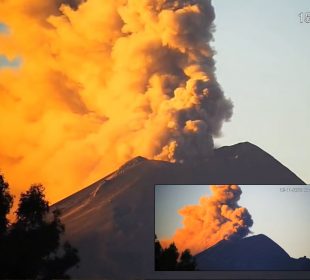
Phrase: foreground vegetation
[31,246]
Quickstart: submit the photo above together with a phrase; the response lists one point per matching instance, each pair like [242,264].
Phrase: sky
[3,28]
[281,215]
[262,64]
[5,62]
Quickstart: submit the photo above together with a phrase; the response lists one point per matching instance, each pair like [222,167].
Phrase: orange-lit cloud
[215,218]
[104,82]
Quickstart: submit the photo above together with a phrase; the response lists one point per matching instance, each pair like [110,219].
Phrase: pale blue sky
[283,216]
[263,63]
[3,28]
[4,61]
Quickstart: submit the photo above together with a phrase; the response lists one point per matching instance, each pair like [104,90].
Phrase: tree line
[31,246]
[168,259]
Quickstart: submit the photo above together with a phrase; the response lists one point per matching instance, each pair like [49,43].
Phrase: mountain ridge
[228,154]
[256,252]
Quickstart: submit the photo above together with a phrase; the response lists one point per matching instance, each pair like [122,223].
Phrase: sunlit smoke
[104,81]
[215,218]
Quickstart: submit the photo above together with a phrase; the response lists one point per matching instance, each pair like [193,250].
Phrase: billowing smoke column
[102,82]
[215,218]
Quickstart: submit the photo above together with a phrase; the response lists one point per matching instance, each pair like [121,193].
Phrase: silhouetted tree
[56,267]
[32,208]
[187,261]
[158,254]
[170,257]
[167,259]
[6,201]
[33,243]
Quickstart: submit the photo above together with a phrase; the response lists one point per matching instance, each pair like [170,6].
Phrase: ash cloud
[215,218]
[102,82]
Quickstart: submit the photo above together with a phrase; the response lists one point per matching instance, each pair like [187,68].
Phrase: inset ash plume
[215,218]
[102,82]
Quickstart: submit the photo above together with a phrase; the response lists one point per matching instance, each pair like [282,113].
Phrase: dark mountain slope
[246,163]
[111,222]
[257,252]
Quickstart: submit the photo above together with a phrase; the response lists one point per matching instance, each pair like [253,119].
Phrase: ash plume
[215,218]
[102,82]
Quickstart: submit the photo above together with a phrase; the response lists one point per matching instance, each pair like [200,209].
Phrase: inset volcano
[257,252]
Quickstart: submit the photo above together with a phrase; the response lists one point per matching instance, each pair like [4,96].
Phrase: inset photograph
[232,227]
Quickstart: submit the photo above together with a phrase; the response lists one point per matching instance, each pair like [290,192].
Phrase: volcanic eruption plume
[215,218]
[102,82]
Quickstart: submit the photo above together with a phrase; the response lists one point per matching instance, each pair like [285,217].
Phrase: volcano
[111,222]
[257,252]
